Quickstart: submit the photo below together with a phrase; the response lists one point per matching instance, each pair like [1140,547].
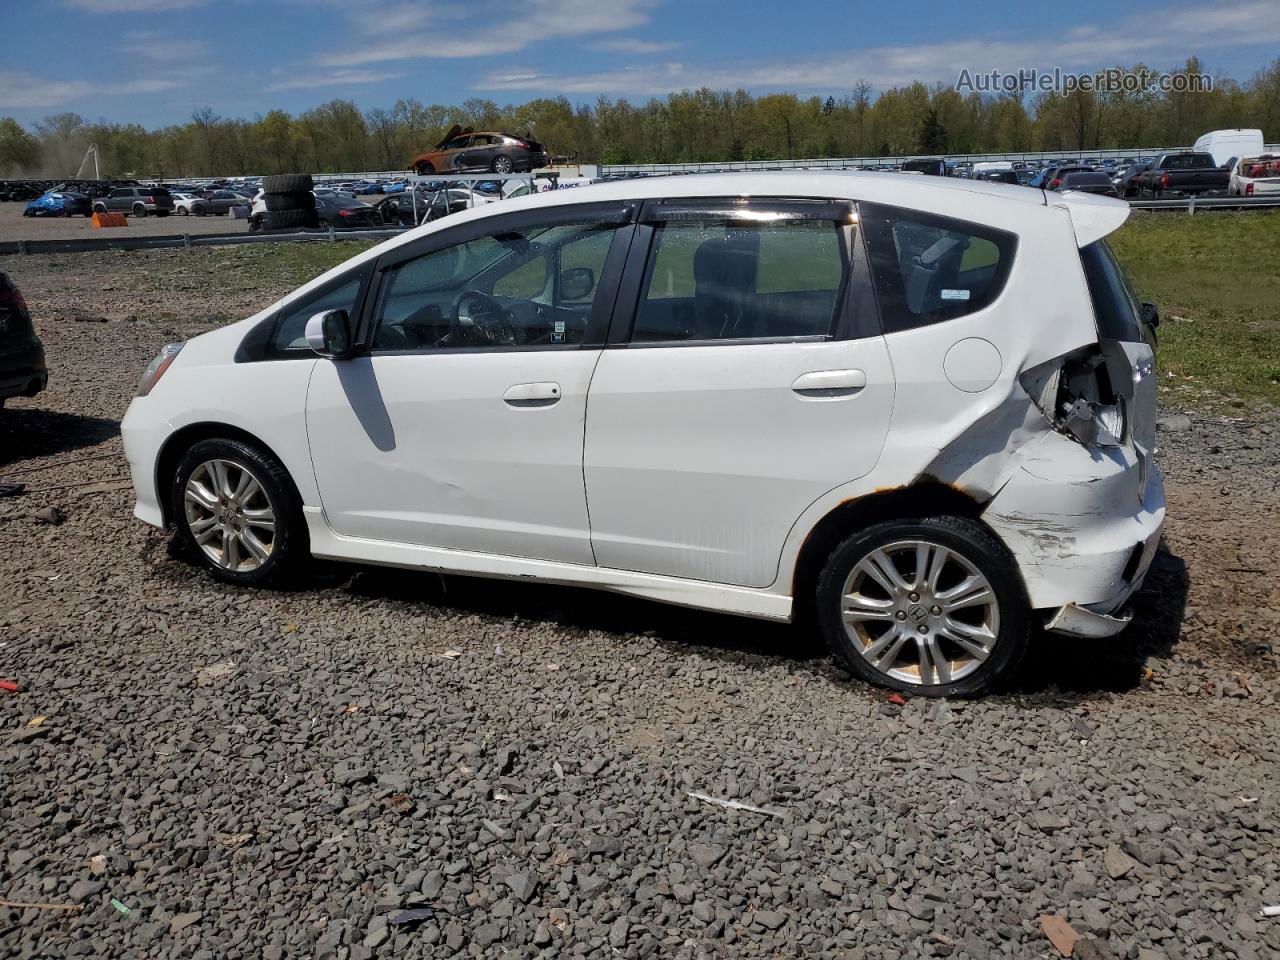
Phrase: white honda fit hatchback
[920,408]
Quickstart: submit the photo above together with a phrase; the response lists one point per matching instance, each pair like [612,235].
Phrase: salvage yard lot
[272,774]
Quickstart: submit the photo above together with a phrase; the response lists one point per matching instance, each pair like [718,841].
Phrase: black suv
[22,369]
[138,201]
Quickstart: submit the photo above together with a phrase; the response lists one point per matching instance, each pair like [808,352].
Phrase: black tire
[426,169]
[288,183]
[290,548]
[980,549]
[184,212]
[502,164]
[99,208]
[139,210]
[289,201]
[289,219]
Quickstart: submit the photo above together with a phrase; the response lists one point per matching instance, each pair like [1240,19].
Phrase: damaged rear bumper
[1084,525]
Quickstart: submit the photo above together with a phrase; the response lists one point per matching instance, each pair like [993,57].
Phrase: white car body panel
[404,450]
[955,414]
[699,459]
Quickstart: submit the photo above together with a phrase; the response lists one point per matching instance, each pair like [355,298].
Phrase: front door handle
[828,384]
[532,394]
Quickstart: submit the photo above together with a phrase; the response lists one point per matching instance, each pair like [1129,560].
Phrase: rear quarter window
[928,269]
[1115,306]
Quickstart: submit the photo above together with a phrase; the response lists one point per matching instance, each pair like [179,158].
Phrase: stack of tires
[289,201]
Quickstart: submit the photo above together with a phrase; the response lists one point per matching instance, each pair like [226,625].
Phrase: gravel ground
[14,226]
[280,774]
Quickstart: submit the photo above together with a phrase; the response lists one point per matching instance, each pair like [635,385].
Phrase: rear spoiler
[1092,217]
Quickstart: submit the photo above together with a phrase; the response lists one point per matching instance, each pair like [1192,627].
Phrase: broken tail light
[1076,396]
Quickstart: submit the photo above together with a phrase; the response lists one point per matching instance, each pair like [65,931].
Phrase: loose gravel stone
[532,789]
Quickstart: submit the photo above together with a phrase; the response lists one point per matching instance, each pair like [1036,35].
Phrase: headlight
[156,368]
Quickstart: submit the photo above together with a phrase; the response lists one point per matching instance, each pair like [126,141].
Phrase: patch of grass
[1216,279]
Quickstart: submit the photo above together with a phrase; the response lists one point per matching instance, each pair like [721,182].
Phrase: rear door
[745,377]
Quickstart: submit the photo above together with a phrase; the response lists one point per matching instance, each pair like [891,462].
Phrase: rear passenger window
[928,269]
[736,280]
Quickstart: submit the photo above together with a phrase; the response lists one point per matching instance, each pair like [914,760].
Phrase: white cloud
[487,28]
[332,78]
[21,91]
[160,48]
[630,45]
[1167,39]
[132,6]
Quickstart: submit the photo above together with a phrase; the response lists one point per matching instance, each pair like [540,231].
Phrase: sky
[154,62]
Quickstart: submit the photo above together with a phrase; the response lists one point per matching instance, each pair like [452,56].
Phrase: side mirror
[1150,314]
[577,283]
[329,334]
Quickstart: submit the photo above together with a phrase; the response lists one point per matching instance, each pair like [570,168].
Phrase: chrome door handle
[532,394]
[829,384]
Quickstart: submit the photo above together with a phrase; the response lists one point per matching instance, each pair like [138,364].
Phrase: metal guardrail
[1192,204]
[848,163]
[1187,204]
[187,241]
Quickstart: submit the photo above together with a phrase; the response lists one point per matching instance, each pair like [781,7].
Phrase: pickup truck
[1184,173]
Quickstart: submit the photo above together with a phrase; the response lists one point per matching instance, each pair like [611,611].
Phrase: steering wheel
[477,315]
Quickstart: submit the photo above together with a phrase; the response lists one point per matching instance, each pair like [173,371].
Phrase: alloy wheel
[231,518]
[920,612]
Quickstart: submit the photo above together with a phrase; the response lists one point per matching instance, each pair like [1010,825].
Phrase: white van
[1227,145]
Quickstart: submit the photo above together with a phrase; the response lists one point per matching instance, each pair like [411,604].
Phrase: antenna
[92,151]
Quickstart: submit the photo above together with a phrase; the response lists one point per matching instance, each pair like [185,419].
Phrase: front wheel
[933,607]
[238,511]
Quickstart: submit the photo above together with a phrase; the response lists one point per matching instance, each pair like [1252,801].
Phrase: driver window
[532,287]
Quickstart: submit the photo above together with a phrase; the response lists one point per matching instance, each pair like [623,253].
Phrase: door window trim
[620,214]
[854,316]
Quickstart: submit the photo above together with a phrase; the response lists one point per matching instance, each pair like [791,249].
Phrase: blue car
[397,187]
[365,187]
[59,205]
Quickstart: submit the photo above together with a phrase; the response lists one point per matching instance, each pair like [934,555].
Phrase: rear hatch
[1104,394]
[159,196]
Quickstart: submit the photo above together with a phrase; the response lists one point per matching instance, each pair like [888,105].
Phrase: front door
[462,425]
[751,381]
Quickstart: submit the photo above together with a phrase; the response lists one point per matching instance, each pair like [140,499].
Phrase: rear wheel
[238,512]
[183,212]
[502,164]
[139,210]
[933,607]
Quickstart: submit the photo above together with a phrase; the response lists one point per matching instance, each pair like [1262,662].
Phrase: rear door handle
[532,394]
[821,384]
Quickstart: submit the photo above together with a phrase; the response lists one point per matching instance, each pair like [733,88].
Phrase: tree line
[690,126]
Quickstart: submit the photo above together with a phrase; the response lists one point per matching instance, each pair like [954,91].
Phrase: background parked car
[335,212]
[55,204]
[1126,180]
[1088,182]
[1188,172]
[14,190]
[483,150]
[22,366]
[136,201]
[1253,176]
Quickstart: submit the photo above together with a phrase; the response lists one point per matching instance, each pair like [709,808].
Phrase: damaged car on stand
[915,412]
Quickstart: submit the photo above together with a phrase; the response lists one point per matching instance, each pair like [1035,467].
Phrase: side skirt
[699,594]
